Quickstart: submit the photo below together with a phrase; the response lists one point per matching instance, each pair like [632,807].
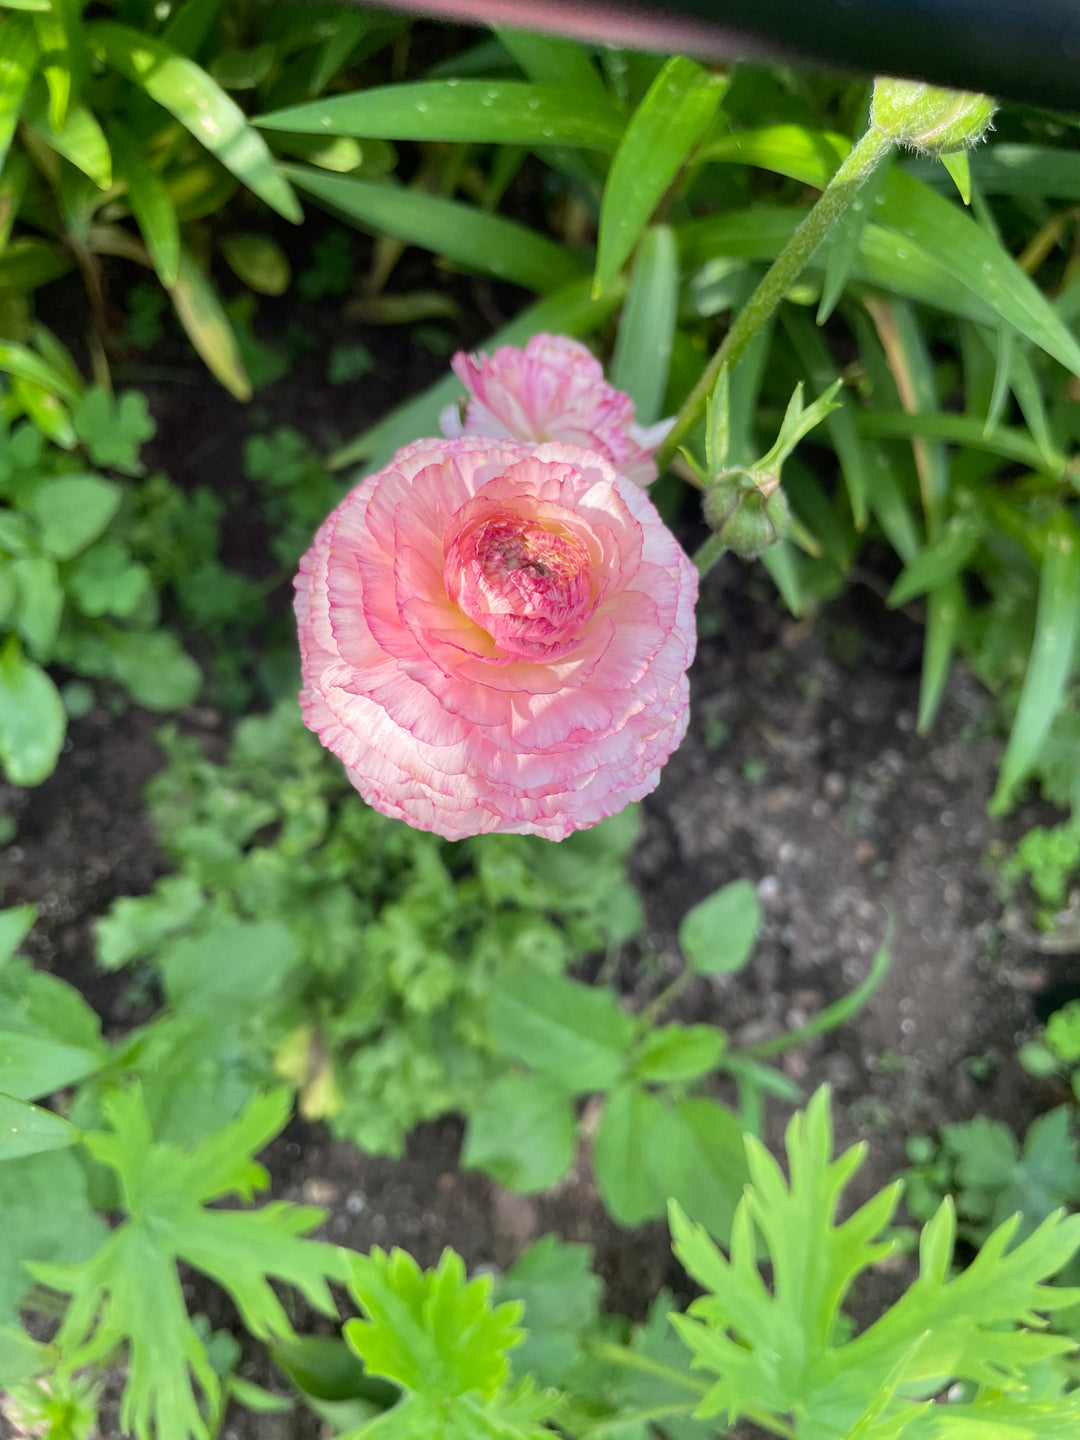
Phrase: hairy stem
[841,190]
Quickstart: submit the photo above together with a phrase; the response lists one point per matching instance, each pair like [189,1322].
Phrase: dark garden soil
[802,772]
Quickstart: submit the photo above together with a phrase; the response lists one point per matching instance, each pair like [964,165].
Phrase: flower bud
[929,119]
[748,510]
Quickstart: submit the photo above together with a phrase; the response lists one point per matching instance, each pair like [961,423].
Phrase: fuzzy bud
[748,510]
[929,119]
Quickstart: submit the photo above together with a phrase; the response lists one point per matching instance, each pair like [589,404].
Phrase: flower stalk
[833,201]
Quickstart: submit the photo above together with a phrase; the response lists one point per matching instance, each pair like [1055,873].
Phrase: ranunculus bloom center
[527,583]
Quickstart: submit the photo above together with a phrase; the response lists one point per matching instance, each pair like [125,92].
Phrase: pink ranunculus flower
[554,389]
[495,636]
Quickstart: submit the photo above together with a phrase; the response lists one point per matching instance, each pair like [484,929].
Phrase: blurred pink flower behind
[554,389]
[495,636]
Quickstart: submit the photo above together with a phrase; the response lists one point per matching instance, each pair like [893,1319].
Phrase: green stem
[619,1424]
[841,190]
[709,553]
[633,1360]
[666,997]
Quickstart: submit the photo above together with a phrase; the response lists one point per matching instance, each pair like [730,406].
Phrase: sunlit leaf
[59,35]
[944,606]
[150,203]
[718,934]
[647,325]
[28,1129]
[656,144]
[81,140]
[1051,660]
[504,112]
[32,718]
[938,562]
[555,60]
[203,317]
[465,235]
[959,167]
[977,261]
[18,61]
[201,106]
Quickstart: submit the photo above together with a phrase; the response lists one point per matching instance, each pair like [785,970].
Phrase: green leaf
[40,603]
[349,29]
[82,140]
[154,668]
[14,178]
[231,971]
[203,317]
[944,607]
[561,1295]
[809,156]
[886,259]
[573,1034]
[59,37]
[20,1357]
[258,261]
[150,203]
[15,925]
[1051,660]
[467,236]
[555,60]
[950,245]
[647,325]
[939,562]
[777,1350]
[821,371]
[718,935]
[845,239]
[707,1170]
[634,1154]
[657,142]
[20,361]
[433,1331]
[959,167]
[137,926]
[29,1130]
[200,105]
[128,1293]
[522,1133]
[673,1054]
[1006,1182]
[73,510]
[502,112]
[113,428]
[976,260]
[32,1064]
[105,581]
[46,1217]
[18,61]
[28,264]
[32,719]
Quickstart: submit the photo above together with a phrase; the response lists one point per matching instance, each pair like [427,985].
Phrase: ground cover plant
[845,338]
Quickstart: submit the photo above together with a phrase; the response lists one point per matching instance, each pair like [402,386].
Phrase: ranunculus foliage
[495,636]
[554,389]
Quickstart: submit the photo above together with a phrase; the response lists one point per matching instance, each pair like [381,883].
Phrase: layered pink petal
[494,635]
[554,389]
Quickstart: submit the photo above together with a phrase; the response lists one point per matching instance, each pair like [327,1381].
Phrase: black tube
[1026,50]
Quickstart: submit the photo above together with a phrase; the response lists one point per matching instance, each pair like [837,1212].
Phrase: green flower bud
[929,119]
[748,510]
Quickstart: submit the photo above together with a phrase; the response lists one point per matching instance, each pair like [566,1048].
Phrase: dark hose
[1027,50]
